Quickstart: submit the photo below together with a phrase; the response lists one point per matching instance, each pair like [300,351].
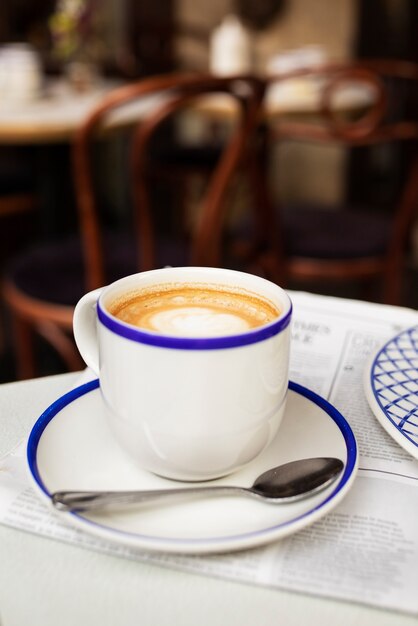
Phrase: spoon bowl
[290,482]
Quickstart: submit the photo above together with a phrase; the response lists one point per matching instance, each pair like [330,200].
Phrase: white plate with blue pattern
[70,447]
[391,386]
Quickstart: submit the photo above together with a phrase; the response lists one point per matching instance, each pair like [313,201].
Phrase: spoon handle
[286,483]
[92,500]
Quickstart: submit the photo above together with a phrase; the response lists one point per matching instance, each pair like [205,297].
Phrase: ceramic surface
[188,408]
[71,447]
[391,386]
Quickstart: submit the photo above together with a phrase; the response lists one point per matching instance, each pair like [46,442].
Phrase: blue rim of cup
[193,343]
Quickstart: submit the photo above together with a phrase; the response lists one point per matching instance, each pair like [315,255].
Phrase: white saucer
[391,386]
[70,447]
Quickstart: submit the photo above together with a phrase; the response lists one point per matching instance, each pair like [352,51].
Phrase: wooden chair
[18,194]
[42,286]
[19,202]
[327,246]
[16,202]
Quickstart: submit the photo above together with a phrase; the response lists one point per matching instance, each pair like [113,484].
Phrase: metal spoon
[286,483]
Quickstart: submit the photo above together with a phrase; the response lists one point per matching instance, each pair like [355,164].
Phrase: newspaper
[366,549]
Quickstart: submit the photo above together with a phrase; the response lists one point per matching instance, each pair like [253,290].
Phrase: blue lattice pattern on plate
[395,382]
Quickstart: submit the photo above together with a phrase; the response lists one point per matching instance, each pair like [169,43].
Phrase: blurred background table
[52,117]
[58,111]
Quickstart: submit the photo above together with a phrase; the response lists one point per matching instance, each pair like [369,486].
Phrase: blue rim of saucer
[193,343]
[342,483]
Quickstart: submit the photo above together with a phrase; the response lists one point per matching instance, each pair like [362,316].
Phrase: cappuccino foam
[194,311]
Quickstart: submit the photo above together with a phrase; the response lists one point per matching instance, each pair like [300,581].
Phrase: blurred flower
[73,29]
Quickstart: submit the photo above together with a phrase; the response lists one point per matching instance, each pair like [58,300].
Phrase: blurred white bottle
[230,48]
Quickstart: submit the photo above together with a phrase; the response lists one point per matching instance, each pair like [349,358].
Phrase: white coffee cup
[188,408]
[20,73]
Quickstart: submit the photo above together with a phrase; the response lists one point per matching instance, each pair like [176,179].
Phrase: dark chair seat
[66,266]
[182,156]
[334,233]
[17,169]
[65,272]
[15,183]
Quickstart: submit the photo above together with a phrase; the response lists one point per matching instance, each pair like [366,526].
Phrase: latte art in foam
[189,311]
[197,321]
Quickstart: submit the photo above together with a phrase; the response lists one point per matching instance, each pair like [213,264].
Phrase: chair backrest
[361,104]
[365,114]
[143,106]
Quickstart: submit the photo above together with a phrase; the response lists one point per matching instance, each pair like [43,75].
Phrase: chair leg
[392,288]
[392,279]
[268,229]
[63,344]
[23,343]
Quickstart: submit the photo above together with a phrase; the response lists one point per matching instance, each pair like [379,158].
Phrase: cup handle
[85,329]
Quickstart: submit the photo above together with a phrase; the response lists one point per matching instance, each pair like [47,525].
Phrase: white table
[58,111]
[45,583]
[53,116]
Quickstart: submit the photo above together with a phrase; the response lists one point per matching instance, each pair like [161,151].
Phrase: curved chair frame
[370,128]
[54,321]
